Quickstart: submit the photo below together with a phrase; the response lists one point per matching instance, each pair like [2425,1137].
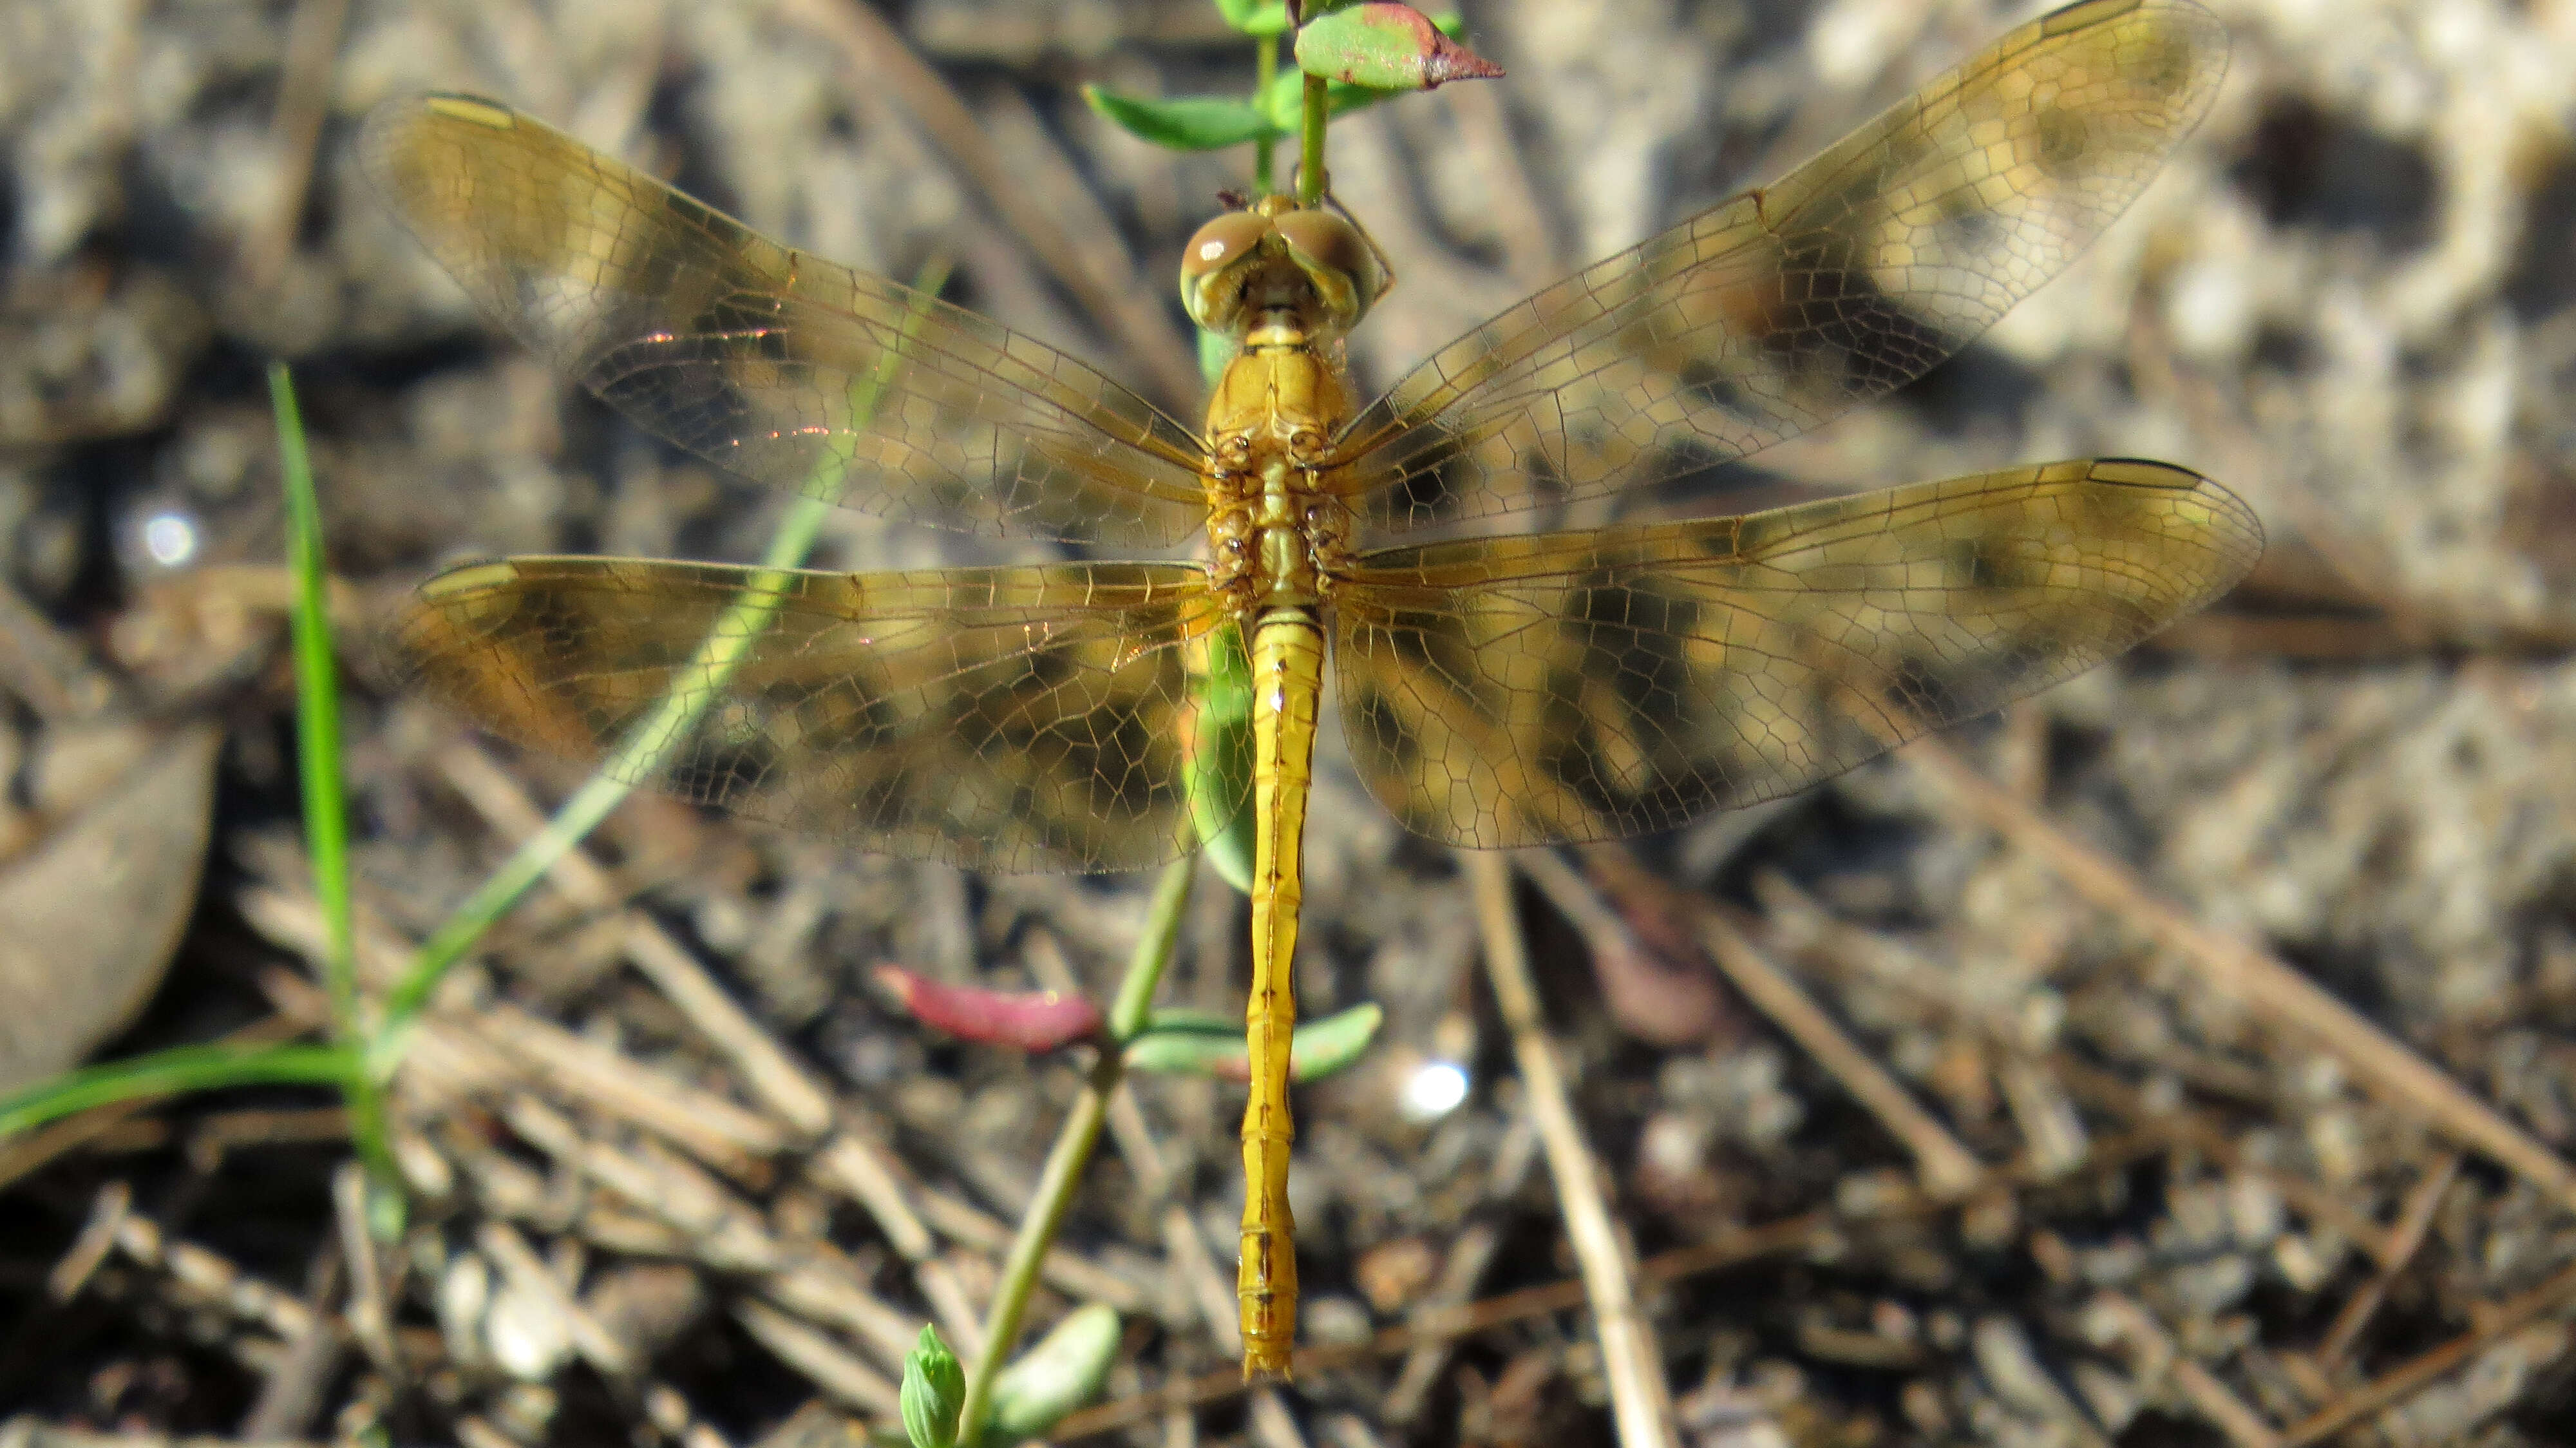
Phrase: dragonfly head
[1246,266]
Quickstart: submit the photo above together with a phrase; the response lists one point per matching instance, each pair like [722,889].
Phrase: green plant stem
[644,750]
[318,756]
[1128,1012]
[1265,69]
[1310,155]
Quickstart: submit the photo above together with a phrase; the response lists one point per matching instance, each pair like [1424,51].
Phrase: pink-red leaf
[1031,1021]
[1386,46]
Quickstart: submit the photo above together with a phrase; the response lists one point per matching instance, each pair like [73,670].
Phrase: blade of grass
[168,1073]
[326,805]
[650,744]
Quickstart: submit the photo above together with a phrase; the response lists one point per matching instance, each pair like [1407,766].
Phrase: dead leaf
[89,918]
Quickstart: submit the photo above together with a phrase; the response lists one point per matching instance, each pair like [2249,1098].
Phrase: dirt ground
[2187,1056]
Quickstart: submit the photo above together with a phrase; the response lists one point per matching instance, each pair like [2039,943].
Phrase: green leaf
[1202,1043]
[1329,1047]
[1185,123]
[1287,102]
[1387,47]
[1255,17]
[934,1388]
[1218,772]
[1063,1372]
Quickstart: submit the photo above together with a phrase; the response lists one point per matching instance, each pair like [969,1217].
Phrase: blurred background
[2348,298]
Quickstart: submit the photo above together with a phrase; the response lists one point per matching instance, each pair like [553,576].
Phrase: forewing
[1767,315]
[1003,718]
[771,363]
[1582,686]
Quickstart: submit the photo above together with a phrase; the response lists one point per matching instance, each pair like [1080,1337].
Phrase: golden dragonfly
[1495,691]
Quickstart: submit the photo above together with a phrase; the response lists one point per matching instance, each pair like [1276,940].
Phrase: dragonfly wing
[1580,686]
[1765,316]
[769,362]
[1006,718]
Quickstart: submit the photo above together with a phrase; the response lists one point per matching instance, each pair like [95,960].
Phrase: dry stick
[827,1289]
[2208,1396]
[2414,1219]
[856,1167]
[2260,980]
[522,1268]
[2495,1322]
[705,1125]
[726,1232]
[1469,1257]
[671,1416]
[1640,1400]
[820,1359]
[773,1076]
[107,1214]
[291,1396]
[714,1229]
[2209,1137]
[1833,944]
[44,667]
[303,99]
[212,1278]
[1098,276]
[846,1162]
[814,1284]
[370,1317]
[1470,1253]
[1945,1168]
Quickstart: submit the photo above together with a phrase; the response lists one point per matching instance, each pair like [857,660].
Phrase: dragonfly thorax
[1276,528]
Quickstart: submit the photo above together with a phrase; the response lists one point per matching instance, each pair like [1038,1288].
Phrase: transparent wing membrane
[1765,316]
[1579,686]
[774,364]
[1006,718]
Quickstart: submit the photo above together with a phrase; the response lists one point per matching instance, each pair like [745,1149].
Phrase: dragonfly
[1496,690]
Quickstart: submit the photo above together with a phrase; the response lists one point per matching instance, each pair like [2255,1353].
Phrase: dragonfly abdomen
[1287,687]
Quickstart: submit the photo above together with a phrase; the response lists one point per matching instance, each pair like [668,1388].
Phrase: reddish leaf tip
[1035,1021]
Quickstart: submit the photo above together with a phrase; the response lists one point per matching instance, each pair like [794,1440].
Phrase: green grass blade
[319,761]
[168,1073]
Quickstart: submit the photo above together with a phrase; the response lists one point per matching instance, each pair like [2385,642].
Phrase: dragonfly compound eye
[1334,256]
[1211,284]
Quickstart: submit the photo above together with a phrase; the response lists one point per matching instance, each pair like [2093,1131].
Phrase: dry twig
[303,99]
[1640,1399]
[1945,1168]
